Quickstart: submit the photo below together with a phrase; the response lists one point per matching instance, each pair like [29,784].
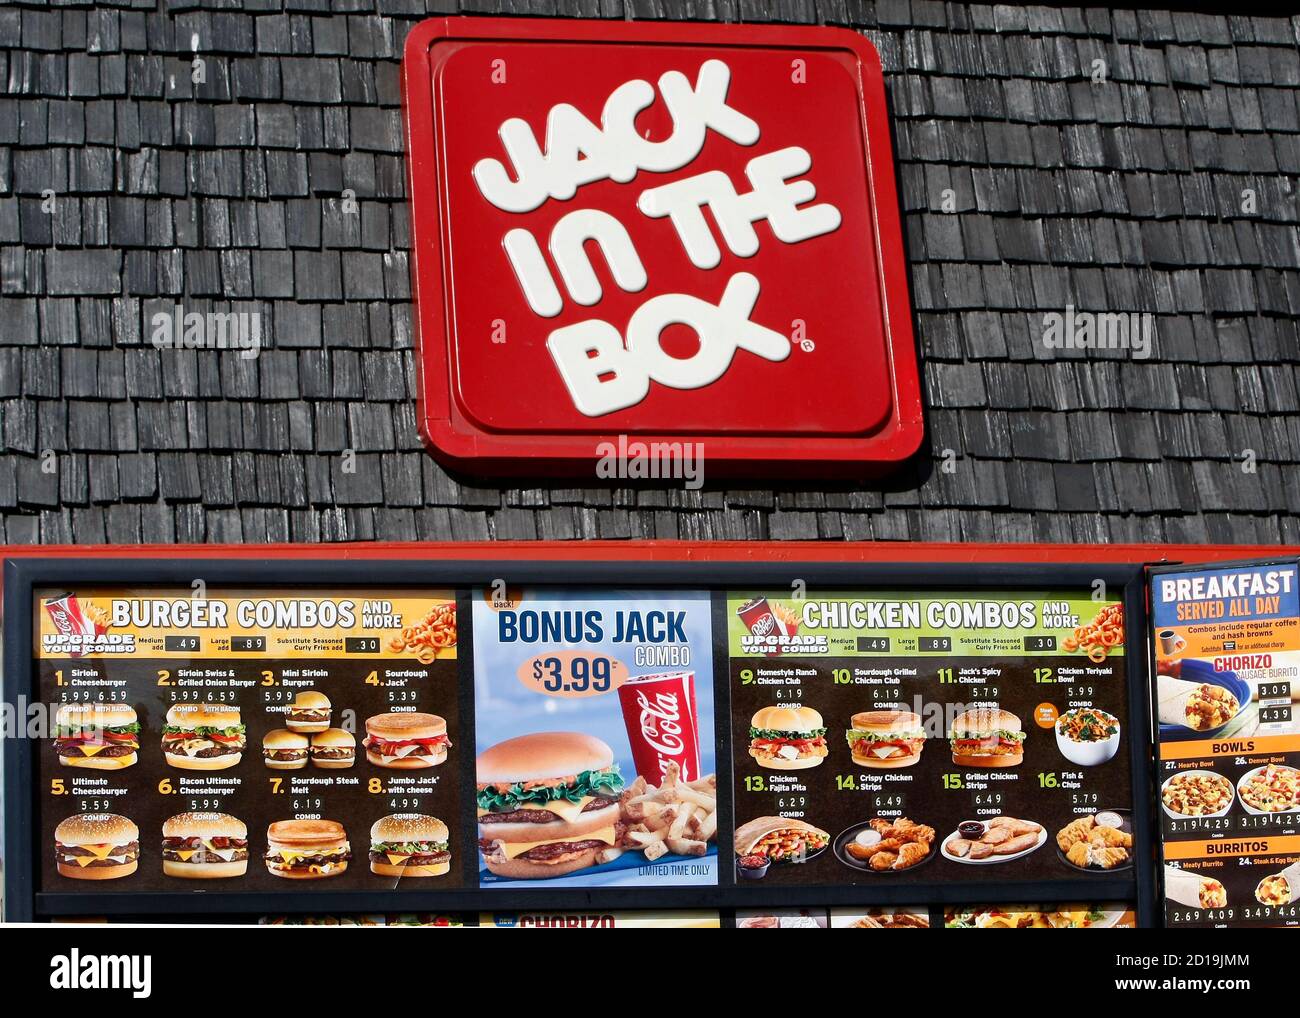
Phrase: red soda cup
[662,725]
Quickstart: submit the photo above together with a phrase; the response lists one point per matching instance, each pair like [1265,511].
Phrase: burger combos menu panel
[922,737]
[242,739]
[1226,643]
[595,762]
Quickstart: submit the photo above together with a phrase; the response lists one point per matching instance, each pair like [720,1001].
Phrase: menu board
[902,737]
[247,740]
[1227,677]
[594,729]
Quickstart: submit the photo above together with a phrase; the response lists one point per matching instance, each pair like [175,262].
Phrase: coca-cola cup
[662,726]
[69,620]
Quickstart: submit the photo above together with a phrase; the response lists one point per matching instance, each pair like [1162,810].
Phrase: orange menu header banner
[123,624]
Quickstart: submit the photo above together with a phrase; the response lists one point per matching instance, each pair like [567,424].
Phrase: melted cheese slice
[562,808]
[518,848]
[290,855]
[396,859]
[102,852]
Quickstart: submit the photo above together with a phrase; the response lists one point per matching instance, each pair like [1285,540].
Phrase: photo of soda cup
[662,724]
[69,620]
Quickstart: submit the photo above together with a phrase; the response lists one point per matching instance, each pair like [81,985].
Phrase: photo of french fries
[431,636]
[680,817]
[1100,636]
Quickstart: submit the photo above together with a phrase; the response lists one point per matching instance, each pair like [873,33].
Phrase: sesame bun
[204,825]
[196,715]
[542,756]
[409,827]
[96,829]
[983,720]
[787,719]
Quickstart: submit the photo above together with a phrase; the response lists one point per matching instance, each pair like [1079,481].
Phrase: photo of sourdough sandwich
[987,737]
[97,846]
[886,738]
[309,712]
[204,846]
[333,749]
[548,804]
[203,737]
[787,737]
[307,849]
[283,750]
[406,741]
[409,845]
[97,736]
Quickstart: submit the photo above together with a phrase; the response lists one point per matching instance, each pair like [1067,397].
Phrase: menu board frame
[22,851]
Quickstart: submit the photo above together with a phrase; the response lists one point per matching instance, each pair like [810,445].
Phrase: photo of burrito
[1194,890]
[1199,706]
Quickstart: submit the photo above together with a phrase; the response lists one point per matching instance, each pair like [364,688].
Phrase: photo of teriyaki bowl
[1087,736]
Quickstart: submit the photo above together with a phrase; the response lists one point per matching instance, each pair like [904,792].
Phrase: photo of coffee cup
[1170,642]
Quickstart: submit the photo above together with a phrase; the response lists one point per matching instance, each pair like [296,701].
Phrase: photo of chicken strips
[998,839]
[885,846]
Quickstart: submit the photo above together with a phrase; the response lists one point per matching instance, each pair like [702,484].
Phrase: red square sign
[656,233]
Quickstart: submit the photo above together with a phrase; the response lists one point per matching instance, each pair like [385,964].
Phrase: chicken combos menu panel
[247,740]
[1226,682]
[925,737]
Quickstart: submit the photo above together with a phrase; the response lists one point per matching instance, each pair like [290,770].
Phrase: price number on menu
[91,696]
[1275,690]
[95,805]
[1040,643]
[873,644]
[360,645]
[1193,825]
[181,644]
[987,798]
[247,644]
[887,802]
[1274,715]
[1084,798]
[569,673]
[404,803]
[201,696]
[204,805]
[887,694]
[934,644]
[786,804]
[1266,821]
[308,806]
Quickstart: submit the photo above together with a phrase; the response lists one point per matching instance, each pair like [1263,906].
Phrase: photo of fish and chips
[1097,841]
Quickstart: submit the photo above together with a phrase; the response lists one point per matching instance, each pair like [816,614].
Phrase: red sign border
[460,444]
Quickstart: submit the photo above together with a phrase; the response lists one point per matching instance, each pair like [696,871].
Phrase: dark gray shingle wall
[228,194]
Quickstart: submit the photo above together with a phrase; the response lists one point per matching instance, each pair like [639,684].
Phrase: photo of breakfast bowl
[1087,736]
[1197,794]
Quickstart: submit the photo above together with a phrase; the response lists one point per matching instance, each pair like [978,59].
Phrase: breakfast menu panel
[243,740]
[885,737]
[1226,643]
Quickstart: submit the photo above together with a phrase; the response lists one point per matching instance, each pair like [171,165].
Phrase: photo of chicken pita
[998,839]
[882,845]
[1097,841]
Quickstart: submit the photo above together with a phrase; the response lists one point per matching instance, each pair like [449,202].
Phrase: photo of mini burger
[204,846]
[548,804]
[283,750]
[203,737]
[98,736]
[987,737]
[886,738]
[409,845]
[333,749]
[309,712]
[787,737]
[406,741]
[307,849]
[97,846]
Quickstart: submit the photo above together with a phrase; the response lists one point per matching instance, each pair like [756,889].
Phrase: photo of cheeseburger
[409,845]
[787,737]
[886,738]
[406,741]
[309,712]
[283,750]
[307,849]
[98,736]
[987,737]
[204,846]
[96,846]
[203,737]
[547,804]
[333,749]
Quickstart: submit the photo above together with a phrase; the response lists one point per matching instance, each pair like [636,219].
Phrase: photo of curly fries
[432,635]
[1100,636]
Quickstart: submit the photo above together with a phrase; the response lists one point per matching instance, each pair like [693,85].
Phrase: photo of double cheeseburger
[307,849]
[332,749]
[309,712]
[406,741]
[96,846]
[203,737]
[204,846]
[409,845]
[97,736]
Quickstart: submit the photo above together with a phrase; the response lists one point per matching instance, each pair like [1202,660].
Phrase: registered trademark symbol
[807,346]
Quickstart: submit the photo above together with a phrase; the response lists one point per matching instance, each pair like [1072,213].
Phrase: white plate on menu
[992,860]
